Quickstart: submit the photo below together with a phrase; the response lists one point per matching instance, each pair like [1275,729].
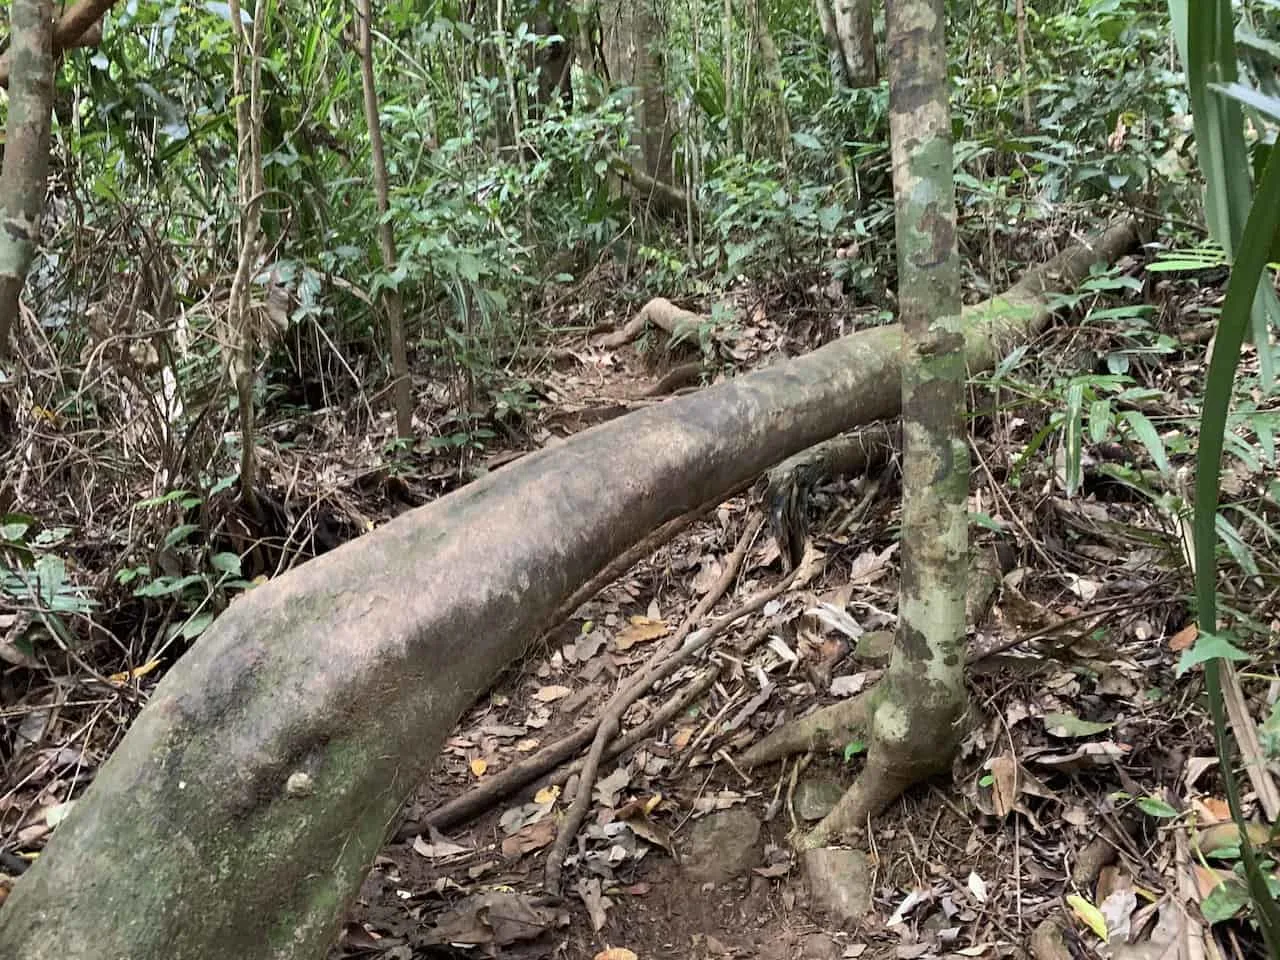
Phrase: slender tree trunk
[835,54]
[631,36]
[403,394]
[773,74]
[26,153]
[1021,13]
[916,711]
[855,27]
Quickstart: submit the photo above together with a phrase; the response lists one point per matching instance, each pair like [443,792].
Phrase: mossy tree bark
[916,709]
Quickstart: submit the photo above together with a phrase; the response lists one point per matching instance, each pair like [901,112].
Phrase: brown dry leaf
[1213,809]
[1184,638]
[616,953]
[1207,878]
[1004,783]
[641,630]
[682,737]
[657,835]
[550,694]
[527,839]
[596,902]
[120,679]
[478,766]
[1225,836]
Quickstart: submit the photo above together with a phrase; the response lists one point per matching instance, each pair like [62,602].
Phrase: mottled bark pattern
[26,152]
[916,710]
[917,714]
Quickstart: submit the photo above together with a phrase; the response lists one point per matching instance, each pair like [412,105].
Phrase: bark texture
[916,710]
[26,153]
[240,813]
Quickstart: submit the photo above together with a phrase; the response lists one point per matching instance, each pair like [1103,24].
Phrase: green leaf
[853,748]
[180,533]
[165,498]
[196,625]
[1224,901]
[986,520]
[1155,807]
[1075,474]
[1209,646]
[1269,106]
[1069,725]
[228,563]
[1146,432]
[13,532]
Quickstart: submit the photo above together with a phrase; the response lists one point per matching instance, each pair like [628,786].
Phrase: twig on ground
[611,716]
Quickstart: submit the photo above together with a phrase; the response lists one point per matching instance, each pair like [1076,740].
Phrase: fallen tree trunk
[242,810]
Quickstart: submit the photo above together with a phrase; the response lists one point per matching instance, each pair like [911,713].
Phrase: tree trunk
[26,153]
[241,811]
[631,35]
[916,710]
[403,390]
[855,28]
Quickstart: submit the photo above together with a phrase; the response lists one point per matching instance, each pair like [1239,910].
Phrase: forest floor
[1085,791]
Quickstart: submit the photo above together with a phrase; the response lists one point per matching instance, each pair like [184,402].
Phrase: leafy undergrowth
[1087,785]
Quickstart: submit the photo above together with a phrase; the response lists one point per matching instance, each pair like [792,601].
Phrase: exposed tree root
[786,488]
[285,741]
[660,312]
[677,378]
[829,728]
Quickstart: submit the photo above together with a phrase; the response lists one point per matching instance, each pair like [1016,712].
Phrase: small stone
[819,946]
[839,882]
[721,846]
[875,647]
[299,785]
[815,797]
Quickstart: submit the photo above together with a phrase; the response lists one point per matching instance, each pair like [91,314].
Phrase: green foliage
[1244,218]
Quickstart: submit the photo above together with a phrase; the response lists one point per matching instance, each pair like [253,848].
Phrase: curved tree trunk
[240,813]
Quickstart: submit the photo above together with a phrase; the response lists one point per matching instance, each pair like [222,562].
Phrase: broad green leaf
[1224,901]
[1207,648]
[1069,725]
[228,563]
[180,533]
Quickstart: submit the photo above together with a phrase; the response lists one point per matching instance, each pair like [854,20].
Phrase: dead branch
[785,489]
[662,313]
[611,716]
[81,26]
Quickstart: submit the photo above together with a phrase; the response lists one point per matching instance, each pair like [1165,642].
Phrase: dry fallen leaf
[547,794]
[478,766]
[640,630]
[527,839]
[1004,783]
[616,953]
[551,694]
[1184,638]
